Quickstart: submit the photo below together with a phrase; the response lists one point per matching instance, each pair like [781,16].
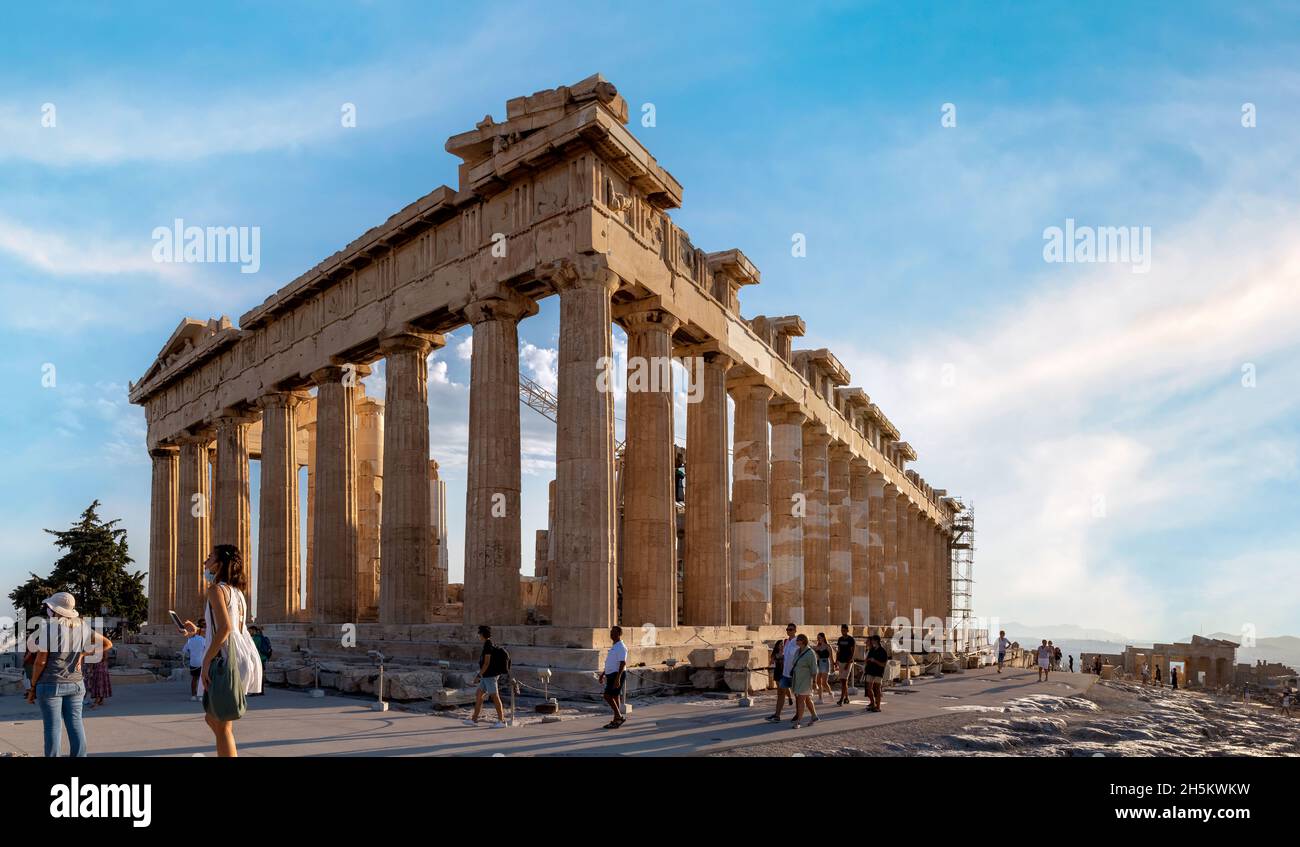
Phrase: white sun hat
[63,604]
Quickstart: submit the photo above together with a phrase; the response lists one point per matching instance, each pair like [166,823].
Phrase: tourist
[1056,656]
[262,643]
[98,686]
[803,675]
[788,649]
[490,669]
[1044,661]
[613,675]
[1146,674]
[877,660]
[1159,684]
[1071,663]
[845,649]
[1004,644]
[225,613]
[1286,702]
[195,646]
[823,651]
[1173,678]
[59,643]
[1096,664]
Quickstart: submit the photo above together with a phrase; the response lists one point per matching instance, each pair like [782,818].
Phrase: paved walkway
[160,720]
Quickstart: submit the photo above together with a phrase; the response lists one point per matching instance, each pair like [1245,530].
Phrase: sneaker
[796,726]
[499,725]
[470,722]
[813,721]
[772,719]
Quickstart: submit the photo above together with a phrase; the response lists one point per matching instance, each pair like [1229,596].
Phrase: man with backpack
[494,662]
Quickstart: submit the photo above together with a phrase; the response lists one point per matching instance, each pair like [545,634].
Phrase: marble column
[816,526]
[334,577]
[232,519]
[876,548]
[889,525]
[943,574]
[583,590]
[751,578]
[405,544]
[860,542]
[789,506]
[277,525]
[902,555]
[493,533]
[192,525]
[707,577]
[162,534]
[309,560]
[438,534]
[370,498]
[649,509]
[840,519]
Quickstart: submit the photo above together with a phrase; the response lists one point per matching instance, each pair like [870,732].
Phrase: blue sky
[1122,474]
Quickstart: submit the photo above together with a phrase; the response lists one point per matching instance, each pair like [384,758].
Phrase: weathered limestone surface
[876,548]
[816,525]
[405,547]
[334,589]
[231,499]
[889,526]
[493,533]
[192,519]
[162,534]
[840,517]
[788,509]
[902,555]
[860,543]
[649,509]
[278,529]
[370,494]
[583,587]
[707,581]
[751,581]
[438,536]
[309,561]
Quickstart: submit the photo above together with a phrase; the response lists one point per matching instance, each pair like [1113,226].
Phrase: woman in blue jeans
[60,642]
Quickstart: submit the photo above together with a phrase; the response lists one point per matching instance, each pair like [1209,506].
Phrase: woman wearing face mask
[226,615]
[59,644]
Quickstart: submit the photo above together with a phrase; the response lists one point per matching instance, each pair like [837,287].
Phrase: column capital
[815,432]
[840,452]
[282,399]
[583,270]
[163,452]
[643,316]
[857,464]
[751,389]
[786,412]
[407,338]
[336,373]
[199,437]
[512,307]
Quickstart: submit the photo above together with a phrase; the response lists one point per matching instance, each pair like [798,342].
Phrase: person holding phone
[60,643]
[195,646]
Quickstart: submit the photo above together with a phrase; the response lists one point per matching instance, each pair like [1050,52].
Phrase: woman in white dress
[226,613]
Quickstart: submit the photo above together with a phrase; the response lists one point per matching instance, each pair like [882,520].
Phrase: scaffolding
[963,566]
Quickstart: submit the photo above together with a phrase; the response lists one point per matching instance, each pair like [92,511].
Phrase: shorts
[1002,657]
[785,682]
[823,666]
[874,678]
[845,668]
[613,685]
[1042,663]
[488,685]
[196,672]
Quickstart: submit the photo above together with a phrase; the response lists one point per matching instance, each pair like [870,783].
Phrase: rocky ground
[1113,719]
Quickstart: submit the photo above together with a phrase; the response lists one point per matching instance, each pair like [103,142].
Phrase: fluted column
[438,534]
[405,545]
[493,544]
[192,525]
[370,498]
[707,572]
[876,548]
[232,520]
[162,534]
[277,506]
[334,580]
[309,560]
[816,525]
[788,510]
[840,518]
[751,578]
[889,527]
[918,566]
[860,542]
[902,553]
[943,574]
[649,508]
[582,584]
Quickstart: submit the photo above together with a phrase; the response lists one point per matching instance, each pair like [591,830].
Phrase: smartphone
[176,619]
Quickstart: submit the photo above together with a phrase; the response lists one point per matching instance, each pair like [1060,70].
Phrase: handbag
[224,699]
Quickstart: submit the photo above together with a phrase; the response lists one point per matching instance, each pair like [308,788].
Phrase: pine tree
[93,569]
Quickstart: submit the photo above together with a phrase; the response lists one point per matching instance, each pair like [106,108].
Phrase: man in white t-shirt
[613,674]
[1004,644]
[1044,661]
[193,652]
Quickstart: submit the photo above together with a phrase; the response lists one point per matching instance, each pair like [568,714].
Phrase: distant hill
[1074,640]
[1063,632]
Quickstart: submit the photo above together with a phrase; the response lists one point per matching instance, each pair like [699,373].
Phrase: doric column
[943,573]
[840,519]
[889,527]
[816,526]
[902,554]
[438,534]
[370,498]
[277,506]
[309,560]
[649,509]
[232,520]
[707,572]
[751,578]
[334,581]
[162,534]
[405,546]
[582,584]
[493,546]
[876,547]
[192,527]
[919,567]
[788,509]
[860,536]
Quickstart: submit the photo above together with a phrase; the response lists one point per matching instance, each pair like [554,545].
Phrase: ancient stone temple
[808,512]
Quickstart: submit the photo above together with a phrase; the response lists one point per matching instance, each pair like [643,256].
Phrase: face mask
[209,576]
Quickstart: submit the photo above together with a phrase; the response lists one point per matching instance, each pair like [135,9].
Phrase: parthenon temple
[808,512]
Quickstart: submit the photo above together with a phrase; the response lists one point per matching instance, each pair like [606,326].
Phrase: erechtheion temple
[807,513]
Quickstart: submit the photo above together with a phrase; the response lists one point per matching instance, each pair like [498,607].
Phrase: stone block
[350,680]
[706,679]
[412,685]
[449,697]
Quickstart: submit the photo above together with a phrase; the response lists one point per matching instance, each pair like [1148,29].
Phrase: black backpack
[500,661]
